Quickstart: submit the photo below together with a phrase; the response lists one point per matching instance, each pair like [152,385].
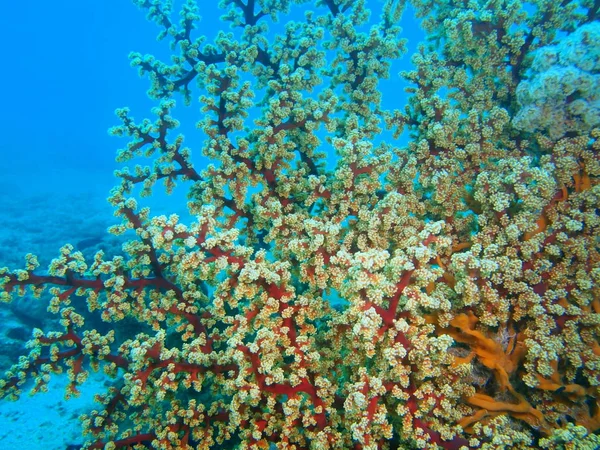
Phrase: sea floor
[46,421]
[41,216]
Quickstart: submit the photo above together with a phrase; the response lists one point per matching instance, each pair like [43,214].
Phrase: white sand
[47,421]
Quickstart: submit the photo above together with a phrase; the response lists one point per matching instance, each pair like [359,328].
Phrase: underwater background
[65,71]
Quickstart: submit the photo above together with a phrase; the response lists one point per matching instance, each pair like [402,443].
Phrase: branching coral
[438,294]
[562,95]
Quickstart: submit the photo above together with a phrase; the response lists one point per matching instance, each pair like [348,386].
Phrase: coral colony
[439,293]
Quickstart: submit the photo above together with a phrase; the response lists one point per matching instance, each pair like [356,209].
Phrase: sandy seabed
[46,421]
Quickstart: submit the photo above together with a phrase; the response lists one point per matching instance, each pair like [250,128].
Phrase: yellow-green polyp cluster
[354,276]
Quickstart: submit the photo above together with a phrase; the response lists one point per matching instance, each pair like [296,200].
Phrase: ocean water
[65,71]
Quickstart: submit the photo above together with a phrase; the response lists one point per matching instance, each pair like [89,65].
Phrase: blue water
[65,69]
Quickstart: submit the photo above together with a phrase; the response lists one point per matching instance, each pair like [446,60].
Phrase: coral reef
[563,95]
[338,289]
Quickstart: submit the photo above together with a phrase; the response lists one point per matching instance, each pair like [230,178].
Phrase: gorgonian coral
[435,294]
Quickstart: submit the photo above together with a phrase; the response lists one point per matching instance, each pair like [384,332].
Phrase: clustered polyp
[353,276]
